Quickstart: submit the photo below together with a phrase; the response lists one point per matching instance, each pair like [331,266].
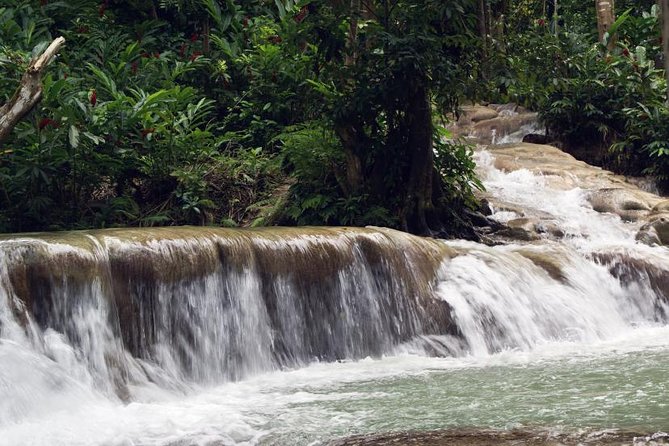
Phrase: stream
[190,336]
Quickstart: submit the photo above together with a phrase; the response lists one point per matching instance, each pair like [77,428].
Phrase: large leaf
[73,136]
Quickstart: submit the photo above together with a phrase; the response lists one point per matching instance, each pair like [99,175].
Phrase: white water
[528,339]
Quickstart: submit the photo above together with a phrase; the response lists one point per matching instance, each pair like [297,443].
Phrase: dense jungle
[254,113]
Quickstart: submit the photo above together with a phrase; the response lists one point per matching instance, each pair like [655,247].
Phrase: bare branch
[29,92]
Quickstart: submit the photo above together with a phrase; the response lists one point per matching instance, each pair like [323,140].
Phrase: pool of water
[562,387]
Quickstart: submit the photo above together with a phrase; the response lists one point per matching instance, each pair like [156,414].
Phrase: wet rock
[648,236]
[476,113]
[662,206]
[485,208]
[605,191]
[509,108]
[649,270]
[489,124]
[627,203]
[526,223]
[655,231]
[478,219]
[497,205]
[517,234]
[547,262]
[484,115]
[492,130]
[551,227]
[535,138]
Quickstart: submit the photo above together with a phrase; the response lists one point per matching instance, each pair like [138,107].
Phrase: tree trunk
[347,131]
[482,22]
[419,212]
[351,138]
[605,18]
[351,40]
[29,92]
[483,29]
[665,39]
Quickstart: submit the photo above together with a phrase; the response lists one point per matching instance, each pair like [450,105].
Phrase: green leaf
[619,21]
[39,49]
[282,8]
[108,83]
[641,54]
[73,136]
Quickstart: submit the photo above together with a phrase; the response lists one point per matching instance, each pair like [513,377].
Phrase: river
[302,337]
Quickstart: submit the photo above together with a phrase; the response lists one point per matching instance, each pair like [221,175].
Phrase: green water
[627,391]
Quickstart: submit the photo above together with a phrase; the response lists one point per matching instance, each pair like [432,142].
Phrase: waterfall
[120,309]
[115,318]
[123,309]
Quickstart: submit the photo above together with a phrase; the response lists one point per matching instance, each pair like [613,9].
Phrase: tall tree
[483,26]
[605,18]
[664,7]
[386,72]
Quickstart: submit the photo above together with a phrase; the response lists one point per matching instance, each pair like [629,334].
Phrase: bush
[612,103]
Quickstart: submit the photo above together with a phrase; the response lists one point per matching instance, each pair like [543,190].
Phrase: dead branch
[29,92]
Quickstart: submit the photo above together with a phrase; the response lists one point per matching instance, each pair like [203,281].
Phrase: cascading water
[194,336]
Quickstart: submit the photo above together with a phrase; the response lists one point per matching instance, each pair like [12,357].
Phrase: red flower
[93,97]
[195,55]
[275,39]
[541,22]
[194,37]
[626,52]
[44,122]
[302,14]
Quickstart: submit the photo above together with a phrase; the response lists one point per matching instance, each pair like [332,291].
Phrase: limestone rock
[475,113]
[483,114]
[509,108]
[521,229]
[491,130]
[648,236]
[625,202]
[525,223]
[605,191]
[551,227]
[627,268]
[547,262]
[662,206]
[655,231]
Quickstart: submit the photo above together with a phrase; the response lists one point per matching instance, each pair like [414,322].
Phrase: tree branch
[29,92]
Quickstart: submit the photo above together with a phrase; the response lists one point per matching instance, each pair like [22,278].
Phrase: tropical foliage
[606,100]
[256,112]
